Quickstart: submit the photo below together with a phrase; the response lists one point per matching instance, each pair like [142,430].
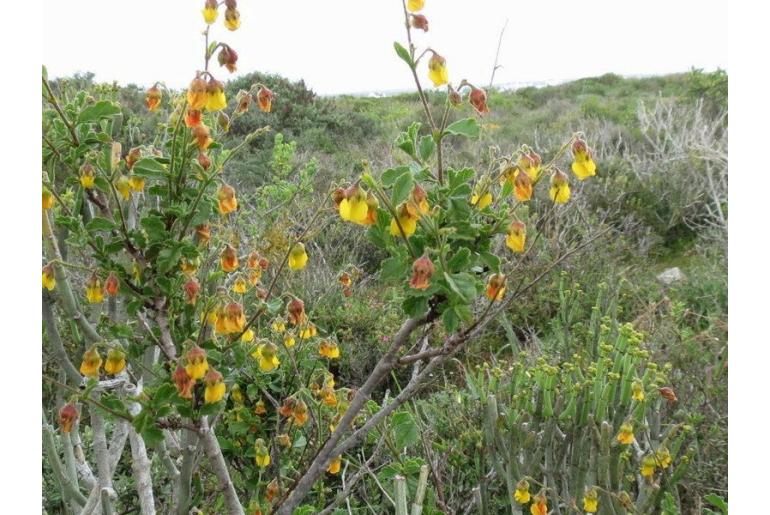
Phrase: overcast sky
[347,47]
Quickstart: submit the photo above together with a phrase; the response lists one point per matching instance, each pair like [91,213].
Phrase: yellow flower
[481,201]
[529,162]
[415,5]
[240,285]
[236,394]
[353,207]
[297,257]
[279,325]
[215,387]
[136,183]
[196,364]
[288,340]
[265,354]
[637,391]
[87,176]
[329,349]
[210,12]
[419,198]
[91,363]
[94,292]
[522,495]
[232,19]
[334,466]
[215,96]
[437,71]
[522,187]
[559,191]
[49,277]
[407,220]
[189,266]
[663,456]
[48,198]
[308,331]
[648,465]
[517,236]
[626,434]
[248,335]
[123,186]
[262,454]
[116,361]
[583,164]
[591,501]
[230,319]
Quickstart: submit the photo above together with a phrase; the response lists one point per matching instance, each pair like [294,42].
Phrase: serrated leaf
[460,260]
[392,269]
[415,307]
[462,284]
[149,167]
[98,111]
[390,175]
[427,147]
[468,127]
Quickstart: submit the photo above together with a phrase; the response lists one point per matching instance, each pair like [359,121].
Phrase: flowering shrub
[186,339]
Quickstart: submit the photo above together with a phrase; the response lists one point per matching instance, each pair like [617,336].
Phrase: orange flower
[202,136]
[184,383]
[265,99]
[230,319]
[227,202]
[68,414]
[420,199]
[300,413]
[287,408]
[478,99]
[539,506]
[422,270]
[522,187]
[229,259]
[152,98]
[202,234]
[192,118]
[517,236]
[134,155]
[668,393]
[48,198]
[496,287]
[112,284]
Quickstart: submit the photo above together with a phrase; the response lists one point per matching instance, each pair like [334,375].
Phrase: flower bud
[68,414]
[455,98]
[152,98]
[668,393]
[422,270]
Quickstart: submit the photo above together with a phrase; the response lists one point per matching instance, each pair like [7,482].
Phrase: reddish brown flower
[202,234]
[418,21]
[296,312]
[112,284]
[228,57]
[204,160]
[192,118]
[133,156]
[422,270]
[68,414]
[668,393]
[478,99]
[191,290]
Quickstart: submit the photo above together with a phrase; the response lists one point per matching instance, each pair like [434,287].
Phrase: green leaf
[402,188]
[405,429]
[150,168]
[100,224]
[98,111]
[403,53]
[427,147]
[450,319]
[415,307]
[717,501]
[392,268]
[468,127]
[462,284]
[492,261]
[152,436]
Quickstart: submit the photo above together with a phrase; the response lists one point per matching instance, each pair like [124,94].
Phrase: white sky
[347,46]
